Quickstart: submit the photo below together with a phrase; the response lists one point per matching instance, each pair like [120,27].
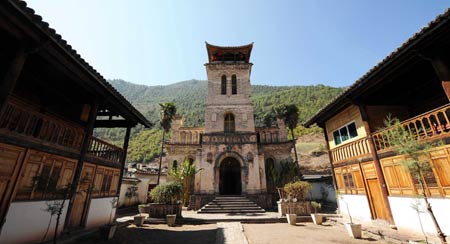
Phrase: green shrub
[297,189]
[316,206]
[167,193]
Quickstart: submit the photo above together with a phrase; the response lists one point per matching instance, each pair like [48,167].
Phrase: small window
[345,133]
[224,85]
[229,123]
[233,85]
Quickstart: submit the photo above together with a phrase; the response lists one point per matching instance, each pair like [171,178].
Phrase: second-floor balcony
[432,125]
[20,123]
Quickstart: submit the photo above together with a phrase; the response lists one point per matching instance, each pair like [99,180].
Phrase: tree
[289,113]
[167,114]
[185,176]
[417,160]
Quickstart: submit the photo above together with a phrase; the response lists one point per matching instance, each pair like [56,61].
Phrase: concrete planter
[157,210]
[139,220]
[317,219]
[354,230]
[144,209]
[300,208]
[107,231]
[170,218]
[292,219]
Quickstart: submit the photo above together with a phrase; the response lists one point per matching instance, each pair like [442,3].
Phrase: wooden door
[376,197]
[80,204]
[11,160]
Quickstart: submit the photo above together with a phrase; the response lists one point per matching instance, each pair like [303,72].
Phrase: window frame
[223,85]
[233,85]
[229,126]
[338,130]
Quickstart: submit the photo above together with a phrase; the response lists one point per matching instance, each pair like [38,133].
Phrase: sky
[298,42]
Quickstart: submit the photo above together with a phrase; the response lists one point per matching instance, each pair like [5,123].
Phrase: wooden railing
[19,120]
[104,150]
[229,138]
[431,125]
[350,150]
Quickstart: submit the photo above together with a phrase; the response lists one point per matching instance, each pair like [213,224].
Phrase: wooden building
[413,84]
[50,102]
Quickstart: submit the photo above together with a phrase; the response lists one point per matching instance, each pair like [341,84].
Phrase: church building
[233,153]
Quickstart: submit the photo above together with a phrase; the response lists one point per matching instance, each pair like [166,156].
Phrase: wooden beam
[84,147]
[114,123]
[124,157]
[8,82]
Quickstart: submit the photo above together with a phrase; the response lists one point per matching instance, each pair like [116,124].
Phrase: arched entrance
[230,177]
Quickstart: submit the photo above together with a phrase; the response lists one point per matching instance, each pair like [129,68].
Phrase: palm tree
[166,116]
[289,113]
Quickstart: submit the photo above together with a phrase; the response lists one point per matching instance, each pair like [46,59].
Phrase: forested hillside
[189,97]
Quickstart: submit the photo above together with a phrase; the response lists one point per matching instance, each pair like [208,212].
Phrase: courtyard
[235,232]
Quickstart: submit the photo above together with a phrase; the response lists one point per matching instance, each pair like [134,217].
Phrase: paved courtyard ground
[234,233]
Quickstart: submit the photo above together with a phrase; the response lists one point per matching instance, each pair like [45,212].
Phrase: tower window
[233,85]
[229,123]
[224,85]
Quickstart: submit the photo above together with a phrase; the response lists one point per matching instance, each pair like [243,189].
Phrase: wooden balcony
[21,122]
[104,150]
[223,138]
[351,150]
[434,124]
[18,120]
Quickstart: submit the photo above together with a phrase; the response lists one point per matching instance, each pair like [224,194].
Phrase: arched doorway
[230,177]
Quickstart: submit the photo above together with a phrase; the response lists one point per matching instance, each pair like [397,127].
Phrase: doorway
[230,177]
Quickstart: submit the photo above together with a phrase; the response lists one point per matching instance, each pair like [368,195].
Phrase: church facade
[233,153]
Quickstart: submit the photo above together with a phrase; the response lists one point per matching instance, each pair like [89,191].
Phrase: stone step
[231,204]
[231,211]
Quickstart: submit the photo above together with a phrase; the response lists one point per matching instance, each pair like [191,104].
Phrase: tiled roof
[423,33]
[30,14]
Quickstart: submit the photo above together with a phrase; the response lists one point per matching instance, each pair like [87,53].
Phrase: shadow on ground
[148,234]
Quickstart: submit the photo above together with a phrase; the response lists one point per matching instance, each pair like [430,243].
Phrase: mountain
[189,98]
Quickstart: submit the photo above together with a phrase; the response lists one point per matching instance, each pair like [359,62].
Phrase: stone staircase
[231,204]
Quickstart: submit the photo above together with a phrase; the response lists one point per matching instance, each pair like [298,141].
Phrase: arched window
[233,84]
[224,85]
[229,123]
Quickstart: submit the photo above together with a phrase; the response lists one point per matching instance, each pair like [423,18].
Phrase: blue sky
[296,42]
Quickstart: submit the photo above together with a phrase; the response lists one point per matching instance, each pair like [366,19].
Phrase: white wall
[100,211]
[142,193]
[27,222]
[406,217]
[358,205]
[316,192]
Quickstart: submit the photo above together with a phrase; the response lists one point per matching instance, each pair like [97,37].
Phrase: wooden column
[376,162]
[8,82]
[84,147]
[330,157]
[442,67]
[124,157]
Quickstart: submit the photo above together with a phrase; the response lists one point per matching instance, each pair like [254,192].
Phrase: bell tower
[228,105]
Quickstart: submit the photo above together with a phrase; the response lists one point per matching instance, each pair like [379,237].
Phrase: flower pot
[354,230]
[317,219]
[107,231]
[139,220]
[170,218]
[292,219]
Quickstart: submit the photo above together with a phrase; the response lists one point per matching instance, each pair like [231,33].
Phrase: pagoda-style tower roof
[229,54]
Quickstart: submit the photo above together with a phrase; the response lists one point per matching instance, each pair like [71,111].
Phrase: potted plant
[107,231]
[143,208]
[168,196]
[296,192]
[354,230]
[316,218]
